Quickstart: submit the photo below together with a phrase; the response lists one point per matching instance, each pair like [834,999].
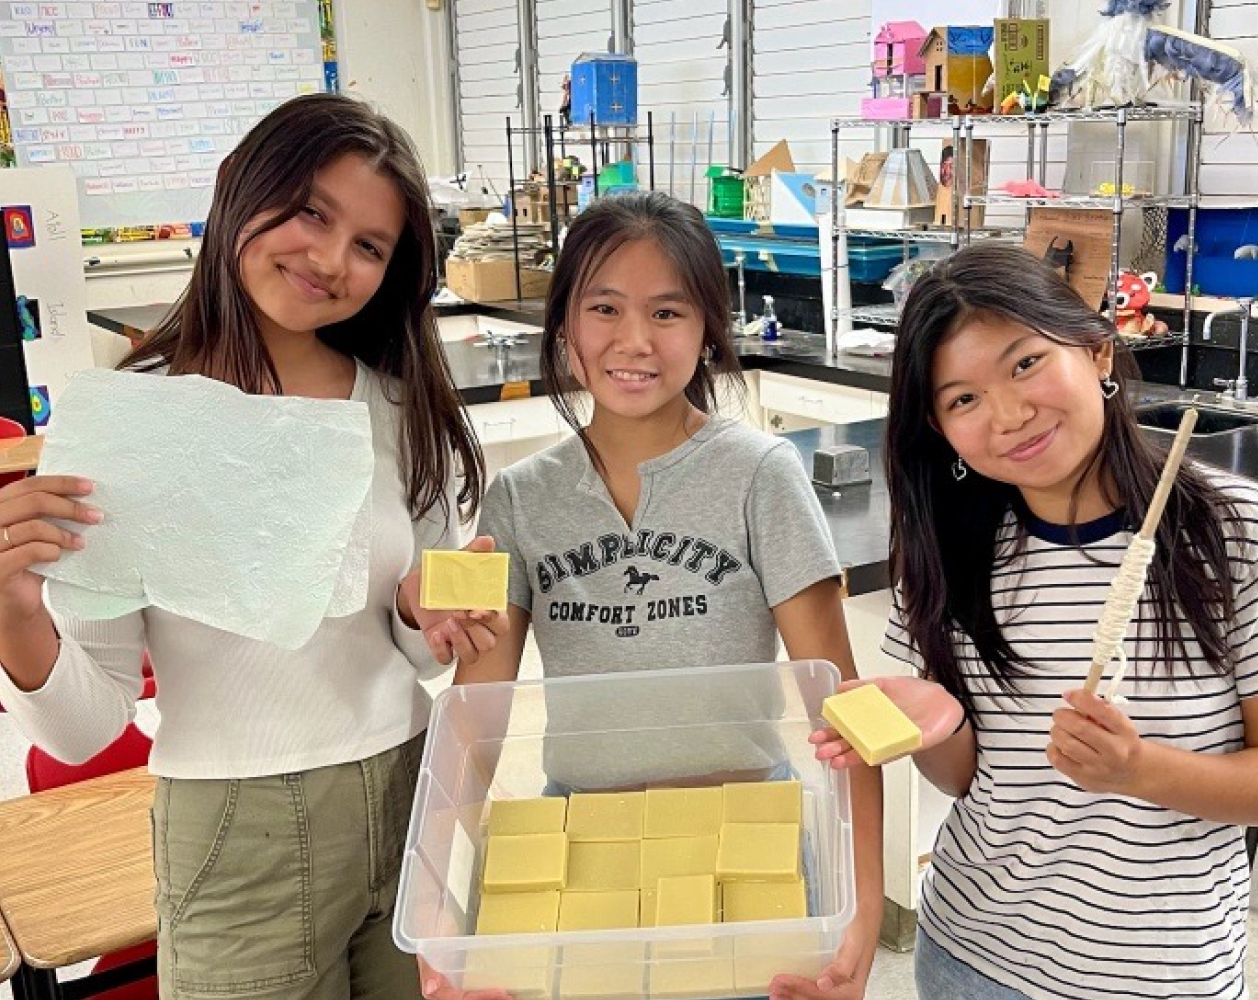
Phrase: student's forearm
[867,842]
[1219,787]
[950,765]
[28,649]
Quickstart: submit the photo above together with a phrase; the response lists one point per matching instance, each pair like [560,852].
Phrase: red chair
[129,750]
[11,429]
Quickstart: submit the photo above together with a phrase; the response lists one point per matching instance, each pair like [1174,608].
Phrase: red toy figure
[1134,292]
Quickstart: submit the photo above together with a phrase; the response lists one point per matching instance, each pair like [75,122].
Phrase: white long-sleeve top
[233,707]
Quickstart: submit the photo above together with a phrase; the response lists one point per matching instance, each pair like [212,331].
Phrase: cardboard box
[471,216]
[493,280]
[1021,54]
[1077,241]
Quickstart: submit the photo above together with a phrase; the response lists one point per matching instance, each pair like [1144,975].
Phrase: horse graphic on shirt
[637,580]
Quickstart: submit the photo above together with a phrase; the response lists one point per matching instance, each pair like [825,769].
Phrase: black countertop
[486,375]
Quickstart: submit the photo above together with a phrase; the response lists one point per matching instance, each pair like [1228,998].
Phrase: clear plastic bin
[614,731]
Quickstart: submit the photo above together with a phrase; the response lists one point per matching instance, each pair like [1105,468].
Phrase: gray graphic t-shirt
[727,527]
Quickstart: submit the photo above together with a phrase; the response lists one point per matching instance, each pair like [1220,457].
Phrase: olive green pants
[283,887]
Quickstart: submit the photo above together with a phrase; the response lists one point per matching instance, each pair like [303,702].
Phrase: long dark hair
[944,532]
[212,330]
[684,238]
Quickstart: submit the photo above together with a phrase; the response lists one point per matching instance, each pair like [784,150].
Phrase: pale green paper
[251,514]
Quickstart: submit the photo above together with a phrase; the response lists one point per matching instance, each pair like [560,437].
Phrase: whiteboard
[143,100]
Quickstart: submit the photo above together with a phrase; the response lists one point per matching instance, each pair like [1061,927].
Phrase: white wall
[396,53]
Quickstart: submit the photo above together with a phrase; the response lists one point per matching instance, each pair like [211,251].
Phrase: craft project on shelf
[897,70]
[1111,69]
[957,65]
[1221,68]
[906,186]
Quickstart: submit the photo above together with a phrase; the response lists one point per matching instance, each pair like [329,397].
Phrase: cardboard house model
[897,70]
[898,49]
[957,64]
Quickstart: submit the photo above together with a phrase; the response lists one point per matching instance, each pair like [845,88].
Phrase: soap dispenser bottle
[772,330]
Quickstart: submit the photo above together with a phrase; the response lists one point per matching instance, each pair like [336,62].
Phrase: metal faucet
[1238,388]
[740,259]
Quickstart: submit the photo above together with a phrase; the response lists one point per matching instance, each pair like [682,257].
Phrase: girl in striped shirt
[1095,848]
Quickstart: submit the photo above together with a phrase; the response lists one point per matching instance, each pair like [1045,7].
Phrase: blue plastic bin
[1215,271]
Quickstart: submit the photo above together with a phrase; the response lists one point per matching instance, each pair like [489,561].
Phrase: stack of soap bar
[685,899]
[758,852]
[677,856]
[518,913]
[598,911]
[520,816]
[603,865]
[527,863]
[763,802]
[764,901]
[605,815]
[683,812]
[872,723]
[454,580]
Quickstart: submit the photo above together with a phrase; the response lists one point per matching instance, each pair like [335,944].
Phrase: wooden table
[20,454]
[76,875]
[8,954]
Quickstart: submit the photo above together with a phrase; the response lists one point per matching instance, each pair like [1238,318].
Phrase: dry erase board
[143,100]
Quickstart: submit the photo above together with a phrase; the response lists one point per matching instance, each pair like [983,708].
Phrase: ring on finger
[8,543]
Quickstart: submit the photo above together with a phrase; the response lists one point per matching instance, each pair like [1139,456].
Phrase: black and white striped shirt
[1060,893]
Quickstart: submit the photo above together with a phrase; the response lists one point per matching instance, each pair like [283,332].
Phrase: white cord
[1120,608]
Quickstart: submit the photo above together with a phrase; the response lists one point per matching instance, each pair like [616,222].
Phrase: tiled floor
[892,976]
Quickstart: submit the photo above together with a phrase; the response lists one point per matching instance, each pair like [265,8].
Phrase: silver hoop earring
[1108,386]
[959,471]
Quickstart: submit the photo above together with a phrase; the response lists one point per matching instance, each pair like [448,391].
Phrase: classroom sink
[1211,420]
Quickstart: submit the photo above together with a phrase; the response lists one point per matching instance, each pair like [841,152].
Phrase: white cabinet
[514,429]
[791,403]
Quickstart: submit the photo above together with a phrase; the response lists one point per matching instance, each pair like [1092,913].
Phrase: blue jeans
[941,977]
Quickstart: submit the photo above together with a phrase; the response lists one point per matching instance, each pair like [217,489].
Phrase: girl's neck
[1093,502]
[629,441]
[309,367]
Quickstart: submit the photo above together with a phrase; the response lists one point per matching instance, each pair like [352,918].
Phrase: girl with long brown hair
[284,777]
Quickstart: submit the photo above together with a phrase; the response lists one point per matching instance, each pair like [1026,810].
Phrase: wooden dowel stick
[1148,530]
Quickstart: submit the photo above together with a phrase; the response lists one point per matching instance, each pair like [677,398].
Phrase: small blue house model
[605,84]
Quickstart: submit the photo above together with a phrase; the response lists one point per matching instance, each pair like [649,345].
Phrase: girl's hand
[1095,745]
[933,710]
[435,986]
[844,978]
[28,536]
[450,634]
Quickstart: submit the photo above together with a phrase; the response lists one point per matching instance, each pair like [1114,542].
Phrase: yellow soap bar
[692,977]
[519,816]
[603,865]
[758,852]
[526,972]
[531,862]
[598,911]
[764,802]
[605,815]
[872,723]
[764,901]
[683,812]
[677,856]
[454,580]
[685,899]
[518,913]
[603,971]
